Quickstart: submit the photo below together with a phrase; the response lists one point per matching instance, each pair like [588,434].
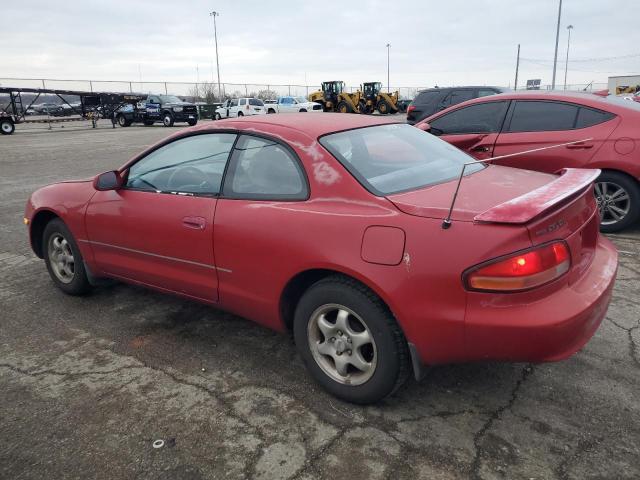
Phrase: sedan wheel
[342,345]
[61,258]
[618,199]
[613,201]
[350,341]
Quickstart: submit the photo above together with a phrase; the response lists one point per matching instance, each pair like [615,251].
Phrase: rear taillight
[411,108]
[521,271]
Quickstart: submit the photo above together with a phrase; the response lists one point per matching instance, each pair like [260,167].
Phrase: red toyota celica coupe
[332,227]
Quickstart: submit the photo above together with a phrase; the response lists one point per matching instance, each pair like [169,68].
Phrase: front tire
[63,259]
[343,107]
[192,122]
[618,198]
[218,116]
[383,107]
[167,120]
[350,341]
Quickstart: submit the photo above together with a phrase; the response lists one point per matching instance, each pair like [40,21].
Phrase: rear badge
[551,228]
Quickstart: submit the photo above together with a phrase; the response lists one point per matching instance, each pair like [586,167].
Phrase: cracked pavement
[87,384]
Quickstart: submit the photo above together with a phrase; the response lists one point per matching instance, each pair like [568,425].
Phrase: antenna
[446,223]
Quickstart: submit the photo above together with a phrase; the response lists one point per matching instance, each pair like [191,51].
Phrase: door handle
[577,146]
[196,223]
[481,148]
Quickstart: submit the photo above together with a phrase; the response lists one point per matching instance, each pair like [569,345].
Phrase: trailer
[91,106]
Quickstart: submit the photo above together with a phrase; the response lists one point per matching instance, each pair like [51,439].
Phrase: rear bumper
[550,328]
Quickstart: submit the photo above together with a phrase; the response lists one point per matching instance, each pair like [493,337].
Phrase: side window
[265,170]
[588,117]
[542,116]
[480,118]
[243,101]
[484,92]
[234,103]
[287,100]
[153,99]
[193,164]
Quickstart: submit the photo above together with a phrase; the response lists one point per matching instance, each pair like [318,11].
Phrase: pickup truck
[293,104]
[158,108]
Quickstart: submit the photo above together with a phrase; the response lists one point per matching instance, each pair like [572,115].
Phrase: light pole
[555,57]
[215,37]
[388,55]
[566,64]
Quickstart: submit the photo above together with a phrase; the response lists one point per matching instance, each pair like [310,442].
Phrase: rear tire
[63,259]
[271,110]
[339,321]
[240,114]
[122,121]
[618,198]
[303,110]
[7,127]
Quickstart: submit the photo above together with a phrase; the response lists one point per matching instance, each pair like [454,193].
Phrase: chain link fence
[211,92]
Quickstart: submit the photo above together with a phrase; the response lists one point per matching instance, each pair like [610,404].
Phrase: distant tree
[266,94]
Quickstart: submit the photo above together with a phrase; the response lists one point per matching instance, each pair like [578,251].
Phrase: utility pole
[215,37]
[566,64]
[388,56]
[555,57]
[515,84]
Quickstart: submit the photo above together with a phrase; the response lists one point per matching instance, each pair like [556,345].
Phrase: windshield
[300,99]
[389,159]
[170,99]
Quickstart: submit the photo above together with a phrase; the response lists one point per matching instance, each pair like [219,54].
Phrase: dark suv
[432,100]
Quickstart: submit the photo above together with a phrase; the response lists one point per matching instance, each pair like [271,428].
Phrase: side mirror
[108,181]
[425,127]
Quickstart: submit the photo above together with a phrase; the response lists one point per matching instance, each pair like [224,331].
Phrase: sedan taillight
[521,271]
[411,108]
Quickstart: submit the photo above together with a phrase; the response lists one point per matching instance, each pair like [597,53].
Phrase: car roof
[464,87]
[312,125]
[583,98]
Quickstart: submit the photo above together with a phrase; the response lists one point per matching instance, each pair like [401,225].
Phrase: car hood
[478,193]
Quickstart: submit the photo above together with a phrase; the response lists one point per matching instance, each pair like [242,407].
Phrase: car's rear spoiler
[526,207]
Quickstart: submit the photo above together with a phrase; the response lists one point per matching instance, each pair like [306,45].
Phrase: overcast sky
[432,42]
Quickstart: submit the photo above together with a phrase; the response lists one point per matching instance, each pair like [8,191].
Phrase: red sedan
[332,227]
[519,121]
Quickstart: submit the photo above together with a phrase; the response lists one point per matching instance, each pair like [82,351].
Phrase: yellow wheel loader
[334,99]
[373,99]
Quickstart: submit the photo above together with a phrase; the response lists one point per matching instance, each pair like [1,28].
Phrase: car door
[158,228]
[263,187]
[534,124]
[473,129]
[286,105]
[232,111]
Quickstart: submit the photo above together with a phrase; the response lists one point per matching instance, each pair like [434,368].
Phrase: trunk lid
[550,207]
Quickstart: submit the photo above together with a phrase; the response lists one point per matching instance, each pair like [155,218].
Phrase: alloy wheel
[613,202]
[61,258]
[342,344]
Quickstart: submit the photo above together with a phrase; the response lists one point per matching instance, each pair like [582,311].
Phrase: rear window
[425,98]
[588,117]
[389,159]
[256,102]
